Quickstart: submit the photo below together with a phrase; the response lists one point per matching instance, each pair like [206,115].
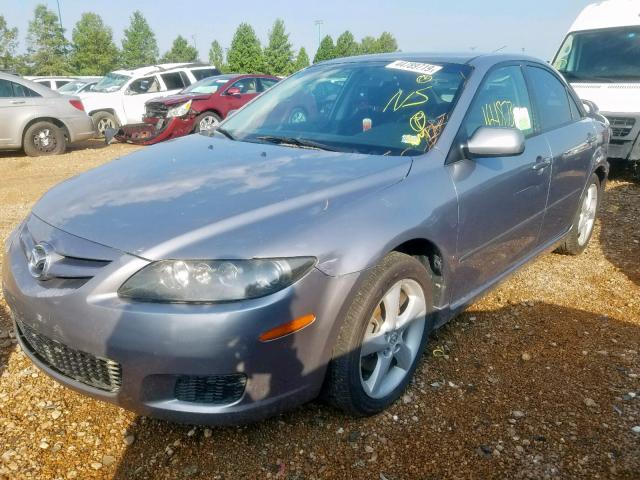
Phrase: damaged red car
[200,106]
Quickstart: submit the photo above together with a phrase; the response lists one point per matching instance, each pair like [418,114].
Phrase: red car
[200,106]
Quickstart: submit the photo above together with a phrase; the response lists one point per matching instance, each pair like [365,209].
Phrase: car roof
[162,67]
[471,58]
[36,87]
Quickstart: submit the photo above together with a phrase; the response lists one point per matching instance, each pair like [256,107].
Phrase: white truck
[119,97]
[600,57]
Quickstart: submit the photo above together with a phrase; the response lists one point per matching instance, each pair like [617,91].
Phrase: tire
[578,237]
[351,376]
[44,138]
[210,118]
[103,120]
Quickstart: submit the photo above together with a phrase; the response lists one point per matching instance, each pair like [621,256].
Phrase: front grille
[621,126]
[86,368]
[210,389]
[156,110]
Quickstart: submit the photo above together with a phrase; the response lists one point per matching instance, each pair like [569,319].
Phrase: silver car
[311,242]
[39,120]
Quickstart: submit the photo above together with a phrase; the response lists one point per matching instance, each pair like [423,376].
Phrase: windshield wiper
[298,142]
[225,133]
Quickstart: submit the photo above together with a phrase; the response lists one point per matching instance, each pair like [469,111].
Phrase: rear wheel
[206,121]
[104,120]
[582,228]
[383,337]
[44,138]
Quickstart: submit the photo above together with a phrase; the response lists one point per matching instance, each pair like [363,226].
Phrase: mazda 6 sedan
[309,244]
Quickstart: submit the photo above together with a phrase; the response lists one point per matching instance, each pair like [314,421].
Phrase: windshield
[72,86]
[206,85]
[381,108]
[609,55]
[111,82]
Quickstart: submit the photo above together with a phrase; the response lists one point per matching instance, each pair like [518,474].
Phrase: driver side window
[144,85]
[501,101]
[246,85]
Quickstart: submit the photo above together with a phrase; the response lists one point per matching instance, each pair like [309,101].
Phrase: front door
[17,104]
[137,94]
[501,199]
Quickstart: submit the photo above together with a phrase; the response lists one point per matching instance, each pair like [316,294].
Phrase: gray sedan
[311,243]
[39,120]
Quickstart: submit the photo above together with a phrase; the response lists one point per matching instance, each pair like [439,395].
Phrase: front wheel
[103,121]
[44,138]
[206,121]
[382,338]
[584,220]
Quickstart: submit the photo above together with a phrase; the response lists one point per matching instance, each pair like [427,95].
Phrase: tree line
[92,50]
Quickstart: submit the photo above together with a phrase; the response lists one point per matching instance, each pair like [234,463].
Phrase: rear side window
[46,83]
[267,83]
[173,81]
[61,83]
[501,101]
[551,98]
[201,73]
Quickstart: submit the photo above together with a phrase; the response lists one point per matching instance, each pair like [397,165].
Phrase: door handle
[541,162]
[17,102]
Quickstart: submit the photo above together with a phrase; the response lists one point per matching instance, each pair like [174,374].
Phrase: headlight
[207,281]
[179,110]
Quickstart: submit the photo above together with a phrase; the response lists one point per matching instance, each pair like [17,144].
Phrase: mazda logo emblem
[40,261]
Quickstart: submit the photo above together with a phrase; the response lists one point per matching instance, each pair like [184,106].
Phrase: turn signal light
[288,328]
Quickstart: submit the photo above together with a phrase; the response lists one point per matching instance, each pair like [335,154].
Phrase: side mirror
[591,107]
[495,142]
[233,91]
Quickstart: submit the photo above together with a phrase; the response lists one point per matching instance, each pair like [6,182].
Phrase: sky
[537,26]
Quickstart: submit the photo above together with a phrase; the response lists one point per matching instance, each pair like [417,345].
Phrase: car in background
[200,106]
[600,57]
[119,97]
[52,82]
[37,119]
[78,86]
[227,276]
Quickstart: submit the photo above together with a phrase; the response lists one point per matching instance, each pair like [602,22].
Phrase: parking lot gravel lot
[539,379]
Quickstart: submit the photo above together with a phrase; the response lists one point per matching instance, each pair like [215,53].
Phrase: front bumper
[156,346]
[625,138]
[149,134]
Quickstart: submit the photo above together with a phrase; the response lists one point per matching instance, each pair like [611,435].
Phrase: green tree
[180,51]
[302,60]
[47,49]
[346,45]
[216,56]
[8,44]
[326,50]
[139,47]
[93,51]
[278,55]
[369,45]
[245,54]
[387,43]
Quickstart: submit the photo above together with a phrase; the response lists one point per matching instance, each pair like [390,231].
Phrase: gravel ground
[539,379]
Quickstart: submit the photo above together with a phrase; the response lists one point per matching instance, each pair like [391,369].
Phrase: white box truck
[600,57]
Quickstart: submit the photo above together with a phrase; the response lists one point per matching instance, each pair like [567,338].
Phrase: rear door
[572,139]
[17,106]
[501,199]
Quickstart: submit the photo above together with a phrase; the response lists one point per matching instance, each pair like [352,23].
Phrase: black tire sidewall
[30,147]
[403,267]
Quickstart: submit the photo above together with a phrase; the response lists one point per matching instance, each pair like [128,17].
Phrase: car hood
[200,196]
[180,98]
[611,97]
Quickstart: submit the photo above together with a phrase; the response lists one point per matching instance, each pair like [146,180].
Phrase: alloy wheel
[208,122]
[587,214]
[45,140]
[392,339]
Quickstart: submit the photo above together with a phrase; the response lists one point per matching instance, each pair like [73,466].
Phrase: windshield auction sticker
[416,67]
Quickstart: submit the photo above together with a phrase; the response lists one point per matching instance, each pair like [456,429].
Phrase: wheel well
[108,110]
[426,251]
[55,121]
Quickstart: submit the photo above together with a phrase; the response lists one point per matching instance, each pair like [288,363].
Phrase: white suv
[119,98]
